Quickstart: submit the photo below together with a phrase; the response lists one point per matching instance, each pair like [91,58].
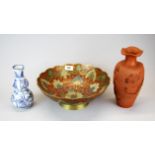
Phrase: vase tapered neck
[19,71]
[130,60]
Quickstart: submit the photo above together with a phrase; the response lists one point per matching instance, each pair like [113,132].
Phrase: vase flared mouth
[18,67]
[132,51]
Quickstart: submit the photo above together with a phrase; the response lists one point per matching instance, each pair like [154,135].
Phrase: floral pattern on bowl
[73,88]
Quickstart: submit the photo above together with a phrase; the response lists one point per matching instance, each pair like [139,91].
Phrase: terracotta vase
[128,77]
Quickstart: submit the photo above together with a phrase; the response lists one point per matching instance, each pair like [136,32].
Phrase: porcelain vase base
[21,106]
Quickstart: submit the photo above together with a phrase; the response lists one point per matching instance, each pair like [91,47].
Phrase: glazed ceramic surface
[22,97]
[73,85]
[128,77]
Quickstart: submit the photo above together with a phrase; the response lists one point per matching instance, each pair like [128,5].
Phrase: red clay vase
[128,77]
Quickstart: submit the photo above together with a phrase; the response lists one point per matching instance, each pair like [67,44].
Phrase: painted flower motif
[101,77]
[50,74]
[77,80]
[45,84]
[94,87]
[57,84]
[91,75]
[78,68]
[64,74]
[72,94]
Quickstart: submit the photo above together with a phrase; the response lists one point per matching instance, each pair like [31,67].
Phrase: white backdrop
[39,52]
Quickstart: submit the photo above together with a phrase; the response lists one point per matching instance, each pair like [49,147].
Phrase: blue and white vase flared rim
[18,67]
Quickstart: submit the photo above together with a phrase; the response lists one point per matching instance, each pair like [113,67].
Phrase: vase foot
[125,105]
[75,106]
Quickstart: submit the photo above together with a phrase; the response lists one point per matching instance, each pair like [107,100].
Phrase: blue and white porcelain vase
[22,97]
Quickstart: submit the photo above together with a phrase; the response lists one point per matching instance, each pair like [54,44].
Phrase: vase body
[128,77]
[22,97]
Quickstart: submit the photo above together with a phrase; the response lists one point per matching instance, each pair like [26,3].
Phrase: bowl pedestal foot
[74,106]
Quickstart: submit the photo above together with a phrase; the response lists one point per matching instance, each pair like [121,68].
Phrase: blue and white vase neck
[19,71]
[22,97]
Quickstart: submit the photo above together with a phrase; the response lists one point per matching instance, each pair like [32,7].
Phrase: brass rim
[75,106]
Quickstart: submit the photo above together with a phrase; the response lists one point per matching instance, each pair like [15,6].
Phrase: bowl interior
[74,81]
